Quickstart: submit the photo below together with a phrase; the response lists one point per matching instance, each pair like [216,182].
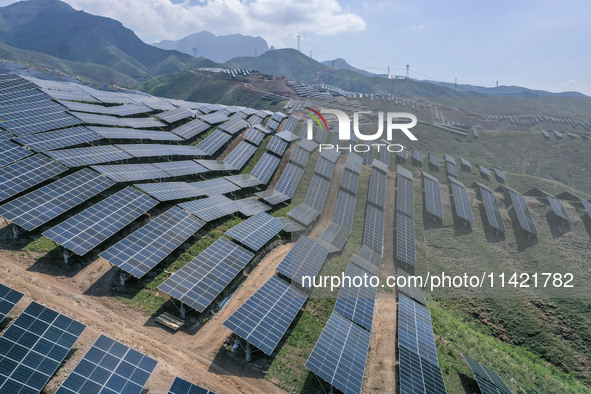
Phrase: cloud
[278,21]
[417,27]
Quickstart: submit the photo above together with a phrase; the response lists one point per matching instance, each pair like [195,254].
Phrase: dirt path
[193,357]
[381,362]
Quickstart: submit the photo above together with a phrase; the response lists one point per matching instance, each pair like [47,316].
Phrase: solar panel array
[254,136]
[452,169]
[277,146]
[491,207]
[216,186]
[377,188]
[461,201]
[433,196]
[373,233]
[142,250]
[42,205]
[465,163]
[8,300]
[120,133]
[204,278]
[405,196]
[265,167]
[33,347]
[12,152]
[107,120]
[449,159]
[181,386]
[265,317]
[317,192]
[345,209]
[117,110]
[256,231]
[234,126]
[109,367]
[340,354]
[417,156]
[211,208]
[434,160]
[174,115]
[191,129]
[499,174]
[350,181]
[240,155]
[59,139]
[357,303]
[557,206]
[213,142]
[250,206]
[306,257]
[24,174]
[483,170]
[299,156]
[526,221]
[80,157]
[419,367]
[405,239]
[168,191]
[488,380]
[290,179]
[88,229]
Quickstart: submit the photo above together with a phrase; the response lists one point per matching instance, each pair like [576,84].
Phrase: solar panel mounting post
[66,256]
[14,232]
[248,352]
[183,311]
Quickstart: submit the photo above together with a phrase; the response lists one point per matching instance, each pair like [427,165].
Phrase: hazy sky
[537,44]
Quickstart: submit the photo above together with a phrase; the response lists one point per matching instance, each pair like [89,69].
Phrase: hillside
[54,28]
[217,48]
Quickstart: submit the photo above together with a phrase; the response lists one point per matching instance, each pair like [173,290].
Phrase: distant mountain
[510,91]
[54,28]
[342,64]
[217,48]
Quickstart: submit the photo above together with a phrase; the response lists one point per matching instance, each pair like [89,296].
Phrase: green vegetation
[40,245]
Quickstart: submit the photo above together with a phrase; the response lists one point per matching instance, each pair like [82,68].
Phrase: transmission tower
[299,44]
[194,52]
[310,54]
[407,71]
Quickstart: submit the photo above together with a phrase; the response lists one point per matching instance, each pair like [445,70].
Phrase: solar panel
[452,169]
[402,154]
[120,133]
[384,155]
[449,159]
[234,126]
[265,167]
[254,136]
[526,222]
[156,150]
[484,171]
[299,156]
[340,354]
[33,347]
[354,163]
[290,179]
[80,157]
[415,331]
[142,250]
[417,156]
[317,192]
[26,173]
[256,231]
[277,146]
[304,214]
[107,120]
[240,155]
[12,152]
[405,239]
[181,386]
[191,129]
[491,207]
[181,168]
[461,200]
[368,259]
[345,209]
[405,196]
[356,303]
[409,286]
[90,228]
[216,165]
[168,191]
[433,196]
[418,375]
[336,236]
[8,300]
[465,163]
[244,180]
[109,367]
[211,208]
[403,172]
[324,168]
[174,115]
[131,172]
[265,317]
[117,110]
[499,174]
[216,186]
[204,278]
[213,142]
[42,205]
[557,206]
[215,117]
[373,234]
[434,160]
[487,375]
[58,139]
[305,258]
[251,206]
[377,188]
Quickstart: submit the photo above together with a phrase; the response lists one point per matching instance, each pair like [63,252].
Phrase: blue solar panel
[8,300]
[277,146]
[461,200]
[213,142]
[211,208]
[340,354]
[168,191]
[142,250]
[373,233]
[90,228]
[405,196]
[305,258]
[109,367]
[526,222]
[42,205]
[191,129]
[58,139]
[256,231]
[12,152]
[487,377]
[181,386]
[265,317]
[354,302]
[80,157]
[265,168]
[491,207]
[24,174]
[204,278]
[405,239]
[240,155]
[33,347]
[433,202]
